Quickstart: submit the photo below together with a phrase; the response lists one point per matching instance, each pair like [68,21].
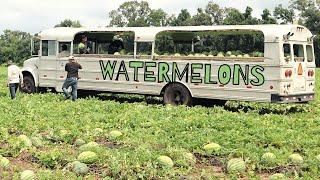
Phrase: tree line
[137,14]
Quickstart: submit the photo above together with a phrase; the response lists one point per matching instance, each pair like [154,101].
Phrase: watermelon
[239,56]
[198,55]
[191,159]
[318,158]
[236,165]
[88,157]
[98,131]
[260,54]
[233,56]
[4,162]
[277,176]
[165,161]
[229,53]
[123,52]
[190,55]
[79,142]
[220,54]
[246,55]
[210,55]
[91,146]
[80,168]
[115,134]
[177,55]
[36,141]
[25,141]
[268,158]
[212,148]
[27,175]
[117,54]
[81,46]
[155,54]
[295,159]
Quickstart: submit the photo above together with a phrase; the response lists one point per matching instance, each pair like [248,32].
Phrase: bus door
[64,51]
[300,68]
[47,64]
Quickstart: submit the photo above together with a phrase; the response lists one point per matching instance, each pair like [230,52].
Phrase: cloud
[35,15]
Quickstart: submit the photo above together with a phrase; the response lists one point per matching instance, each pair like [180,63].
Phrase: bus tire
[28,85]
[177,94]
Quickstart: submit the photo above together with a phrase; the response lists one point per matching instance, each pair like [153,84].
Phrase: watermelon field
[109,136]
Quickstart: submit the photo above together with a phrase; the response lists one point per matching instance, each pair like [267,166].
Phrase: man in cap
[72,68]
[15,77]
[116,45]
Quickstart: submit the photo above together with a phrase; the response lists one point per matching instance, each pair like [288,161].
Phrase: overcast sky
[35,15]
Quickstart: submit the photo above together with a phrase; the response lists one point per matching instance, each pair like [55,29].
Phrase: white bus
[263,63]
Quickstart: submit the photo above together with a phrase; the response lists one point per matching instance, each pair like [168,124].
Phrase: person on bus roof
[15,77]
[116,45]
[84,46]
[72,69]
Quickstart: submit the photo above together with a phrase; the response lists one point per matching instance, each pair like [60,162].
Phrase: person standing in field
[15,78]
[72,69]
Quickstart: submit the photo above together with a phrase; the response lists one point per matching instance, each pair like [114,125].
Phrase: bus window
[310,57]
[144,48]
[225,43]
[298,52]
[287,52]
[64,49]
[48,48]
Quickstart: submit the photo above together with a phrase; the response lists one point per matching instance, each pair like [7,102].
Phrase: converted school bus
[264,63]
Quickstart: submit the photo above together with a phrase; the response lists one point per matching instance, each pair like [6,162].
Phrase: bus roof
[271,32]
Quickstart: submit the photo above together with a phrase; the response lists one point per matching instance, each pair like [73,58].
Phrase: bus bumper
[276,98]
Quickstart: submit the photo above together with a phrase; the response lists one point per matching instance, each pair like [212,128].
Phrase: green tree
[201,18]
[284,15]
[266,17]
[183,19]
[69,23]
[158,17]
[217,14]
[131,14]
[15,44]
[234,17]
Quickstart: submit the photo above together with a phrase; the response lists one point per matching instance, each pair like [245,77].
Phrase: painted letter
[237,71]
[163,69]
[176,72]
[257,71]
[136,65]
[108,69]
[224,74]
[149,75]
[196,77]
[122,70]
[207,75]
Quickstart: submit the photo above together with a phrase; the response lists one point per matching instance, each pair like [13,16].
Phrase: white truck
[284,72]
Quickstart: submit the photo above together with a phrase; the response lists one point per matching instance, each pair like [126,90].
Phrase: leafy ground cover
[123,137]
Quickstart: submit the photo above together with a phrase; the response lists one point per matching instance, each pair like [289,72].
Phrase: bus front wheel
[177,94]
[28,85]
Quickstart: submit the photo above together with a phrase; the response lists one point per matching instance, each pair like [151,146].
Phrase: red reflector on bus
[97,78]
[61,76]
[249,87]
[271,87]
[221,85]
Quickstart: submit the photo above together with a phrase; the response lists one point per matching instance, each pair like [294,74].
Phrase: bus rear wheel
[177,94]
[28,85]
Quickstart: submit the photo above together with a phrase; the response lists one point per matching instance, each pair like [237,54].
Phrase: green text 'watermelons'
[27,175]
[236,165]
[88,157]
[165,161]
